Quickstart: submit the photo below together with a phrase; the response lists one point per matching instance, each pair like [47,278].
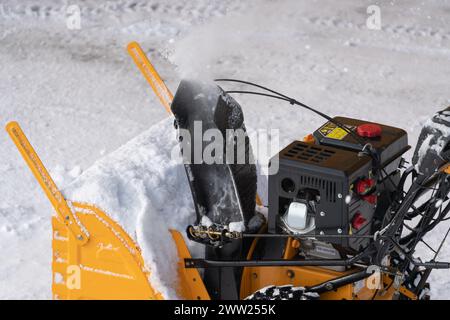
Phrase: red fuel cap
[369,130]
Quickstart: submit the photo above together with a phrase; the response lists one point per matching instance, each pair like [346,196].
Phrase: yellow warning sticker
[331,131]
[337,134]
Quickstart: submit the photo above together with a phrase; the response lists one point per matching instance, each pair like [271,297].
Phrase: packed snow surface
[144,188]
[79,97]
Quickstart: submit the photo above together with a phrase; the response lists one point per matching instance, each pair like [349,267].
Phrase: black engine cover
[330,169]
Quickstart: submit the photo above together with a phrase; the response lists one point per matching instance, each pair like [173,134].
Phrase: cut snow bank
[144,189]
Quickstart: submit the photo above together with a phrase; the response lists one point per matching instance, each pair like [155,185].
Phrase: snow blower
[345,212]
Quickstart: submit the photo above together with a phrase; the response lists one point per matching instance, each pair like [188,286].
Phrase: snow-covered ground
[79,97]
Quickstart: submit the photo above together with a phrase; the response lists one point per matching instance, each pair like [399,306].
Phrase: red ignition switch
[358,221]
[369,130]
[364,186]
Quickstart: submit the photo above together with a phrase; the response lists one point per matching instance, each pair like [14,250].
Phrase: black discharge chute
[225,192]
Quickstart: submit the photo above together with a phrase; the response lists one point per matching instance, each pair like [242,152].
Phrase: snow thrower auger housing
[92,256]
[345,213]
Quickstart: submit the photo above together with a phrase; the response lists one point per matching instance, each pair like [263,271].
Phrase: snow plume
[147,193]
[196,56]
[224,42]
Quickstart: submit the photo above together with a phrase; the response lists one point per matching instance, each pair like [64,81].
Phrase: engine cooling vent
[327,188]
[308,152]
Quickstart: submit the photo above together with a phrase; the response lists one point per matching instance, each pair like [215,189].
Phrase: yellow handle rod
[48,185]
[150,74]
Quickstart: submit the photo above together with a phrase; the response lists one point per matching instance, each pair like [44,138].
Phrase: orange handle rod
[46,182]
[150,74]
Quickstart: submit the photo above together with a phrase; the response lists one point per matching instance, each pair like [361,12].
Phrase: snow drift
[144,188]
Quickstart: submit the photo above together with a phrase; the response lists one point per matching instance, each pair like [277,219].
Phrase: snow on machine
[345,213]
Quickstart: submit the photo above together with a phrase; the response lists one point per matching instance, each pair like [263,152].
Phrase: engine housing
[334,182]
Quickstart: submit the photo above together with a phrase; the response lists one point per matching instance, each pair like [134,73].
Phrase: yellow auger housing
[92,256]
